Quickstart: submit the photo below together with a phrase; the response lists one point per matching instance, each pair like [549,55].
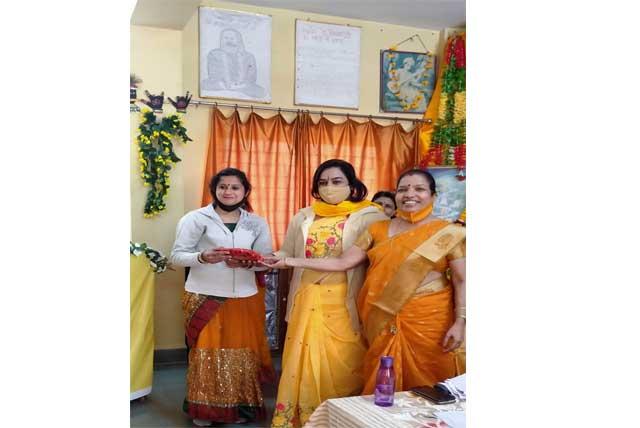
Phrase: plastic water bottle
[385,382]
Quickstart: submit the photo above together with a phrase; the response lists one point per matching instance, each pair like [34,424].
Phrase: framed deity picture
[407,81]
[235,55]
[451,192]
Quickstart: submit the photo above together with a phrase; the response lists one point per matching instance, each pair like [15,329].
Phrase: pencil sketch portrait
[235,55]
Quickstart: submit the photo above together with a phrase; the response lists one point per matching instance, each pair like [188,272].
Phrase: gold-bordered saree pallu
[402,315]
[228,357]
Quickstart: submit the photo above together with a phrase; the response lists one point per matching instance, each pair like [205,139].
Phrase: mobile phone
[435,395]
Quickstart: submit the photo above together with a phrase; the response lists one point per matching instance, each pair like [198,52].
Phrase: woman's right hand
[213,255]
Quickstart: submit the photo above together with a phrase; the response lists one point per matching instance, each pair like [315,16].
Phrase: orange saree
[403,316]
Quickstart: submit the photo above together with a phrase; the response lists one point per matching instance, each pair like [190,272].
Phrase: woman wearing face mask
[323,350]
[224,312]
[412,303]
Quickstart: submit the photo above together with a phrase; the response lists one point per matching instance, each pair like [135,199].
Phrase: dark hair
[358,189]
[231,172]
[385,194]
[424,173]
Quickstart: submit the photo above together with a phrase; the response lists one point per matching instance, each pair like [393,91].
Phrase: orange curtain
[280,158]
[378,153]
[263,149]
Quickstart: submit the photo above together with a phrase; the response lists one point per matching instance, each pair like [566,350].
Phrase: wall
[374,37]
[168,60]
[156,56]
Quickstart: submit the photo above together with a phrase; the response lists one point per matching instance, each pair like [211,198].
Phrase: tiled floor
[163,407]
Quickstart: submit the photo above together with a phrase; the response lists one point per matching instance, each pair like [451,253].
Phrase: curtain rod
[320,112]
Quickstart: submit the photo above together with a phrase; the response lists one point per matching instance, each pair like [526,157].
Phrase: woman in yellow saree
[412,303]
[323,348]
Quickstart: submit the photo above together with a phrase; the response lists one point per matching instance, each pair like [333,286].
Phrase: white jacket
[202,229]
[294,246]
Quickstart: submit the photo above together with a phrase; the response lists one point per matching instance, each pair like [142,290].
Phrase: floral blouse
[324,240]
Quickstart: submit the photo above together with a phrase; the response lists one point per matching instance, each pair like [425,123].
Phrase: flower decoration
[158,262]
[448,142]
[413,101]
[156,156]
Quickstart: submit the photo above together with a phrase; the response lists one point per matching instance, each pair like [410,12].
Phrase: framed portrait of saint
[235,55]
[407,80]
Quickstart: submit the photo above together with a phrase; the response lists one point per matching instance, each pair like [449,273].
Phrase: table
[408,411]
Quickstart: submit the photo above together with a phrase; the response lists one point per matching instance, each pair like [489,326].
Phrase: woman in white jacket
[323,350]
[223,310]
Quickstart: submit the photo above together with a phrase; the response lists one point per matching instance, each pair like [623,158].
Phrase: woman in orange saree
[412,303]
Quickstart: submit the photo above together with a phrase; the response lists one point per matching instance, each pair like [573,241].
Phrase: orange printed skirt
[414,340]
[228,357]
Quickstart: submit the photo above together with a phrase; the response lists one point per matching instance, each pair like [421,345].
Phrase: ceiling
[429,14]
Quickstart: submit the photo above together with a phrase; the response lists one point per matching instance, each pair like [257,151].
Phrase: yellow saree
[401,315]
[323,354]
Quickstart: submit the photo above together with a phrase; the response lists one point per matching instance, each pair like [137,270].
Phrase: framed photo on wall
[407,80]
[451,192]
[327,65]
[235,55]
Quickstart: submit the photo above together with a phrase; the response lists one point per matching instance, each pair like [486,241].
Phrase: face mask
[334,194]
[414,217]
[229,208]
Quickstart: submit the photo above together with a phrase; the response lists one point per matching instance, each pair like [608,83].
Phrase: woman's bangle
[200,260]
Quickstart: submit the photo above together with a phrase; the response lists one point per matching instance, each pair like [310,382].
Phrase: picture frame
[407,81]
[327,65]
[235,55]
[450,192]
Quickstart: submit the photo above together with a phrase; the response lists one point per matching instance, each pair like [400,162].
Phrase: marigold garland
[393,72]
[156,156]
[448,141]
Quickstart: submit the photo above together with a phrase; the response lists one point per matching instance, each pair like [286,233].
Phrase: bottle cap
[386,361]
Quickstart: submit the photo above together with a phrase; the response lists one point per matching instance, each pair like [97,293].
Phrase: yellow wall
[156,56]
[168,60]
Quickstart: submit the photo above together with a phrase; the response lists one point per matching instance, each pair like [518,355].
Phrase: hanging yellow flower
[155,155]
[442,107]
[460,107]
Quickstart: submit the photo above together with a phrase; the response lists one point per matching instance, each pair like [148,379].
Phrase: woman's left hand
[455,336]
